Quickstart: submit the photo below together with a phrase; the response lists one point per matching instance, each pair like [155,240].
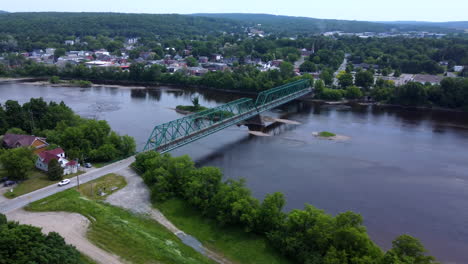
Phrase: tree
[319,87]
[345,79]
[191,61]
[308,66]
[54,79]
[397,73]
[364,79]
[286,69]
[59,52]
[3,219]
[24,244]
[55,171]
[271,216]
[407,250]
[327,76]
[18,162]
[353,92]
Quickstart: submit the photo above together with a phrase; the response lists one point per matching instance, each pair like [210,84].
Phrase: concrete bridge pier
[254,123]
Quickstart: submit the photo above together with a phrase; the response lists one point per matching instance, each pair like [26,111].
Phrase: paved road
[21,201]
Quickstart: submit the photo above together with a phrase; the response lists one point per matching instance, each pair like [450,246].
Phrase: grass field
[136,239]
[326,134]
[100,188]
[36,180]
[233,242]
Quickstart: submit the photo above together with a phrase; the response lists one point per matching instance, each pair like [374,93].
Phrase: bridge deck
[177,133]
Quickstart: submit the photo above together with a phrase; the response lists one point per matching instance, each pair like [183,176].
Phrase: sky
[368,10]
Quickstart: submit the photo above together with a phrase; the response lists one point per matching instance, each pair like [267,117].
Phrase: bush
[54,79]
[326,134]
[331,94]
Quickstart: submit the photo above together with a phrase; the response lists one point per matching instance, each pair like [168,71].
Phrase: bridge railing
[180,128]
[276,93]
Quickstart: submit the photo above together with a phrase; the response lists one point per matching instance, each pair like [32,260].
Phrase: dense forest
[304,236]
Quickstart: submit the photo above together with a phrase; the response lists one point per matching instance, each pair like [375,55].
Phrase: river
[405,171]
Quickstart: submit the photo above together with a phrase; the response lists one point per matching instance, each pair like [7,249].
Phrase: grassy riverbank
[136,239]
[233,242]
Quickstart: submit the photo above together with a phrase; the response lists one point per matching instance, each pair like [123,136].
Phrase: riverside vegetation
[139,239]
[303,236]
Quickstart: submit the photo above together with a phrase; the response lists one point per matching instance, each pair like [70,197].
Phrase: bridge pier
[254,123]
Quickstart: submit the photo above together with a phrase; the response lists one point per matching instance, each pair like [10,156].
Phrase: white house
[458,68]
[58,154]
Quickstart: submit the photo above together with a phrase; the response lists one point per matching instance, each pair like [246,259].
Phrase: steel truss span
[179,132]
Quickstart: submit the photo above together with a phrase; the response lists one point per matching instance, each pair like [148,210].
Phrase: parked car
[8,183]
[64,182]
[88,165]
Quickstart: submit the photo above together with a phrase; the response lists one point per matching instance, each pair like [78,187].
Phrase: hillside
[305,25]
[45,24]
[450,24]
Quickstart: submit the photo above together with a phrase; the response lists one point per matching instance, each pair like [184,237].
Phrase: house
[58,154]
[69,42]
[15,141]
[203,59]
[458,68]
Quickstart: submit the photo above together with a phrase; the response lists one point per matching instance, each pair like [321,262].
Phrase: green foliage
[18,162]
[331,94]
[345,79]
[326,134]
[82,83]
[364,79]
[24,244]
[353,92]
[305,236]
[191,61]
[55,171]
[3,219]
[54,79]
[407,250]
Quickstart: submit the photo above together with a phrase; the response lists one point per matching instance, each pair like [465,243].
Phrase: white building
[58,154]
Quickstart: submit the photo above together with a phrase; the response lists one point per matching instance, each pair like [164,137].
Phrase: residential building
[15,141]
[69,42]
[58,154]
[458,68]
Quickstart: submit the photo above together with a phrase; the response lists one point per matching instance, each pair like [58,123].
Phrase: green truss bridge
[177,133]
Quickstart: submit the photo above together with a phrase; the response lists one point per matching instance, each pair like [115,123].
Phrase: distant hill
[37,25]
[451,24]
[3,12]
[301,25]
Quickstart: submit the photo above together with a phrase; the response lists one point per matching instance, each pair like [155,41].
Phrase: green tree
[308,66]
[326,76]
[407,250]
[191,61]
[18,162]
[353,92]
[3,219]
[345,79]
[54,79]
[271,216]
[55,171]
[286,69]
[364,79]
[25,244]
[59,52]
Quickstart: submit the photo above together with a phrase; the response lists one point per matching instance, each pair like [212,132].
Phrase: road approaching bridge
[177,133]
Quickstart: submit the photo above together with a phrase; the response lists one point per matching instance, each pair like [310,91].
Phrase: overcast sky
[370,10]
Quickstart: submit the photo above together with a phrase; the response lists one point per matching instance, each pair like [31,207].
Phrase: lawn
[36,180]
[137,239]
[233,242]
[100,188]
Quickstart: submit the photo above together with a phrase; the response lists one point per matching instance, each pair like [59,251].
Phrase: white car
[64,182]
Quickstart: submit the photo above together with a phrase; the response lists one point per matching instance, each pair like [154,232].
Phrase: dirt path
[136,198]
[71,226]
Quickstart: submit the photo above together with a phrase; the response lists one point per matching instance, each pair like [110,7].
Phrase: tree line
[25,244]
[82,139]
[305,236]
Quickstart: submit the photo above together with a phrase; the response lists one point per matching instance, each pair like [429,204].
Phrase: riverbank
[379,104]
